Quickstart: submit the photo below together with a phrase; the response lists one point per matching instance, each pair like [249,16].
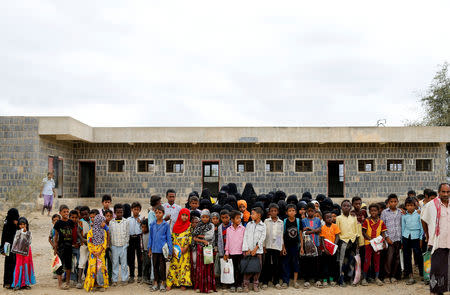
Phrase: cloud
[203,63]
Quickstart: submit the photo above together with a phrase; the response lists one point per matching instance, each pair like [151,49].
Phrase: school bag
[298,228]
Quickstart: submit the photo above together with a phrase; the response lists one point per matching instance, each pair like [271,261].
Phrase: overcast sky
[227,63]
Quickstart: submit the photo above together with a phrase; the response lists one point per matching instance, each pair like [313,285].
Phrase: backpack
[298,228]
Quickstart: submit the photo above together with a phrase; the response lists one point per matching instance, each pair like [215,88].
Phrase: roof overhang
[67,128]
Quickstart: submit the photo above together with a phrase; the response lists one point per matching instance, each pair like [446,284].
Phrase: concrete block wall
[375,184]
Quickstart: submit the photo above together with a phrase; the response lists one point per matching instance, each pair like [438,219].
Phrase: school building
[135,162]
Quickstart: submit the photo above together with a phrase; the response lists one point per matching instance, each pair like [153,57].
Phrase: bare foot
[183,288]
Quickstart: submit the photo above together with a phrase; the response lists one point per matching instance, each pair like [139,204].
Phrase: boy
[348,226]
[222,231]
[170,208]
[76,242]
[273,244]
[155,201]
[360,215]
[292,243]
[233,248]
[254,236]
[194,203]
[135,246]
[329,231]
[120,236]
[311,226]
[146,261]
[108,217]
[63,246]
[158,236]
[106,203]
[412,233]
[372,228]
[48,191]
[392,217]
[83,228]
[51,236]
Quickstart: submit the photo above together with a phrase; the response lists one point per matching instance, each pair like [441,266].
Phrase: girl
[245,215]
[24,270]
[203,235]
[8,234]
[97,274]
[180,268]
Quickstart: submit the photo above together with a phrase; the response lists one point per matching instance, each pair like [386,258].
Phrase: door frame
[211,161]
[328,171]
[79,175]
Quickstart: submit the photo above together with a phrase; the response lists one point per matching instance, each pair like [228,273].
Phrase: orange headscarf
[246,214]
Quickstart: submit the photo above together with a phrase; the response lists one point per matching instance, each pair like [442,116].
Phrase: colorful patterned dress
[93,278]
[180,269]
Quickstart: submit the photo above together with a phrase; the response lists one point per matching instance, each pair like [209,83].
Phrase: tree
[437,100]
[436,103]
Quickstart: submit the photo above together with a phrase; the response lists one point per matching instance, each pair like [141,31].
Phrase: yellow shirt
[348,226]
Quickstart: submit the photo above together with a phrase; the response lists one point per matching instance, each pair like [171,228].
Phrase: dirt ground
[41,225]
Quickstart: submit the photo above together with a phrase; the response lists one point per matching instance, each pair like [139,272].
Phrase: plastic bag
[208,257]
[377,243]
[357,269]
[56,263]
[426,265]
[309,247]
[226,271]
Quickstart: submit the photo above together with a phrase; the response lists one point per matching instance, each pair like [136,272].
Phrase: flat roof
[67,128]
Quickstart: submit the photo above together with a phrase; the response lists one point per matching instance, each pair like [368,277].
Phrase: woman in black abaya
[9,231]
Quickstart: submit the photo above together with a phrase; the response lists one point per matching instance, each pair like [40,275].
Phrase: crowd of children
[269,239]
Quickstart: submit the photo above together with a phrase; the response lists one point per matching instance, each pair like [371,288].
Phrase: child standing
[119,230]
[135,244]
[255,234]
[51,236]
[83,227]
[371,229]
[329,231]
[24,270]
[311,226]
[170,208]
[348,226]
[63,245]
[146,260]
[158,236]
[412,233]
[180,267]
[97,274]
[292,243]
[245,217]
[155,201]
[76,242]
[392,217]
[222,231]
[203,235]
[233,248]
[194,203]
[106,203]
[273,244]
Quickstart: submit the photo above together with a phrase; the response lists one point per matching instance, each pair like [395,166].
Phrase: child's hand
[206,243]
[225,257]
[149,253]
[253,253]
[302,252]
[389,241]
[283,252]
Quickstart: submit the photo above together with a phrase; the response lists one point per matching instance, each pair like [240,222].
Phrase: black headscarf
[9,228]
[227,207]
[205,204]
[225,188]
[306,196]
[216,208]
[232,188]
[279,196]
[222,197]
[126,210]
[292,199]
[248,193]
[206,194]
[231,200]
[282,209]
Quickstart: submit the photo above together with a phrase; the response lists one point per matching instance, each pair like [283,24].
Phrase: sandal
[65,286]
[318,284]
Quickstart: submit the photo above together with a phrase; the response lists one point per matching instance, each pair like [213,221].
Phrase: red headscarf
[181,226]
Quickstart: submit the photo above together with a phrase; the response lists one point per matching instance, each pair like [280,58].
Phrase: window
[245,166]
[394,165]
[423,165]
[116,165]
[174,166]
[146,166]
[303,165]
[366,165]
[274,166]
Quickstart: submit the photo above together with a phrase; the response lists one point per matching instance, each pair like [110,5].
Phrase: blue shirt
[151,217]
[135,226]
[411,226]
[159,235]
[314,223]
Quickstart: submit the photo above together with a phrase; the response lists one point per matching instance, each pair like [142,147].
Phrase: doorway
[55,164]
[210,176]
[336,179]
[86,179]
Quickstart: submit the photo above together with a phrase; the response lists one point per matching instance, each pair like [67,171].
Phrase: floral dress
[97,274]
[180,269]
